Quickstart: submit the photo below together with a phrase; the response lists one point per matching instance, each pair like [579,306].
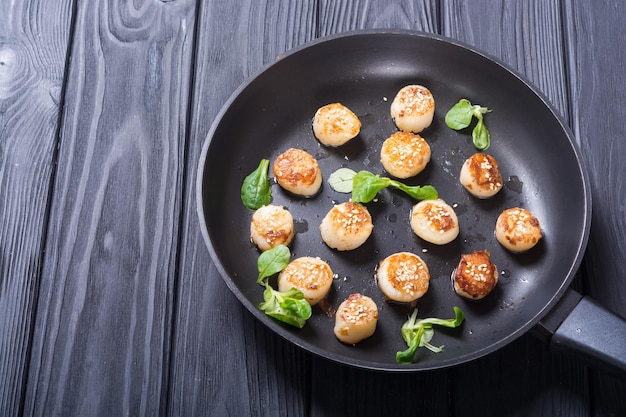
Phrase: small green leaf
[272,261]
[460,115]
[426,192]
[255,189]
[289,307]
[341,180]
[419,333]
[365,186]
[406,356]
[481,136]
[297,305]
[454,322]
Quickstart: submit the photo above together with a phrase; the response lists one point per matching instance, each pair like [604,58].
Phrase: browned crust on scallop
[356,310]
[407,273]
[483,169]
[520,227]
[438,217]
[295,166]
[307,274]
[271,230]
[475,276]
[416,100]
[406,151]
[275,237]
[338,119]
[350,218]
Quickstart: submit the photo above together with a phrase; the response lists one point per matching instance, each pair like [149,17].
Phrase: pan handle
[580,327]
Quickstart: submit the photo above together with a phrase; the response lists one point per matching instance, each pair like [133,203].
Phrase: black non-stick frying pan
[363,70]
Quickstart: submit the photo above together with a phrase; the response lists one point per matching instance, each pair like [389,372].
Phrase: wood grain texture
[521,379]
[344,391]
[342,16]
[528,37]
[597,98]
[101,341]
[34,39]
[247,370]
[109,302]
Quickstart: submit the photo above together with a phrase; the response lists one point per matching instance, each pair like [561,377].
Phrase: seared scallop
[413,108]
[518,230]
[310,275]
[475,276]
[356,319]
[346,226]
[434,221]
[404,154]
[335,124]
[403,277]
[271,226]
[481,176]
[298,172]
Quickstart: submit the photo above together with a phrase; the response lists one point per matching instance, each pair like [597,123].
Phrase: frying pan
[541,166]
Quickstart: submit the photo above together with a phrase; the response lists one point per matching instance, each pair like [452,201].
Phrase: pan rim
[277,328]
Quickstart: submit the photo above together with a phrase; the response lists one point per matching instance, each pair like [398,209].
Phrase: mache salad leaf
[418,333]
[287,306]
[461,115]
[366,185]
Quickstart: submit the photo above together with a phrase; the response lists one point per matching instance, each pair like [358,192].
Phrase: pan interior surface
[539,164]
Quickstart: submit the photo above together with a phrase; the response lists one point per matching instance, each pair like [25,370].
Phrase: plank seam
[167,389]
[48,205]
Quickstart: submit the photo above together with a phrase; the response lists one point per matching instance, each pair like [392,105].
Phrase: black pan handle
[580,327]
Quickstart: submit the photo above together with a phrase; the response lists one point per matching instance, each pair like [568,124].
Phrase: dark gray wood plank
[34,38]
[596,60]
[224,362]
[524,35]
[530,381]
[102,335]
[339,390]
[342,16]
[521,379]
[361,392]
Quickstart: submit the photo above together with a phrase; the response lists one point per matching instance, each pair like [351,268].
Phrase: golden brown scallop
[334,124]
[413,108]
[481,176]
[310,275]
[298,172]
[434,221]
[475,276]
[271,226]
[404,154]
[346,226]
[356,319]
[403,277]
[518,230]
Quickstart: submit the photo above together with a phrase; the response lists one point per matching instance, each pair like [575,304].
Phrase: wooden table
[109,302]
